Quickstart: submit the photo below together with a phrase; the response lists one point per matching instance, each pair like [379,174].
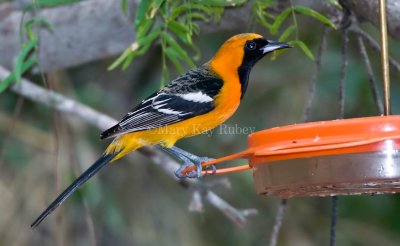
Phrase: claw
[189,160]
[193,174]
[198,171]
[213,169]
[200,160]
[178,172]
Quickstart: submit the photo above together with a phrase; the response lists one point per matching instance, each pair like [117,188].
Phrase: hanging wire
[332,238]
[342,89]
[278,222]
[385,56]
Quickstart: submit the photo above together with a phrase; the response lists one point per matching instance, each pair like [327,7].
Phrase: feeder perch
[339,157]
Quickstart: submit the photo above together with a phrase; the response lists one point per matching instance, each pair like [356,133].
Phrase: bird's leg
[197,160]
[186,163]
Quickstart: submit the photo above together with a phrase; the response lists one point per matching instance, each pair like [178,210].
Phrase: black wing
[188,96]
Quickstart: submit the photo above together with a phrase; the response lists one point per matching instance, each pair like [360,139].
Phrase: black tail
[92,170]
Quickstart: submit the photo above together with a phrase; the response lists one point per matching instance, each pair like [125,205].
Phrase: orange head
[239,54]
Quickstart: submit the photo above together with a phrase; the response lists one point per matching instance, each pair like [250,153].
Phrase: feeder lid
[323,138]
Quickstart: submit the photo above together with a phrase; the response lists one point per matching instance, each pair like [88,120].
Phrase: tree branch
[66,105]
[374,44]
[104,30]
[87,31]
[369,10]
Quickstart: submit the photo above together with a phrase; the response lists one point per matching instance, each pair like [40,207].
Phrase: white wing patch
[162,101]
[143,116]
[169,111]
[196,97]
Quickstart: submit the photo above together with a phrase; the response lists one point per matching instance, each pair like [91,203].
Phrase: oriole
[197,101]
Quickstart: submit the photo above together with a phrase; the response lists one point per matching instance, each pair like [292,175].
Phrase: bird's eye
[250,45]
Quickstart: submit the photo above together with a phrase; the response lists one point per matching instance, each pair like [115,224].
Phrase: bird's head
[246,49]
[239,54]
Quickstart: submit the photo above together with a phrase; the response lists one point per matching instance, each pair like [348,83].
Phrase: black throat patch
[244,74]
[251,57]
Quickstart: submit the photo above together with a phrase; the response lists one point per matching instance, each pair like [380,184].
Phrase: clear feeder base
[351,174]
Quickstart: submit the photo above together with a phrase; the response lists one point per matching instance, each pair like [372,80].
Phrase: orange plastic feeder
[338,157]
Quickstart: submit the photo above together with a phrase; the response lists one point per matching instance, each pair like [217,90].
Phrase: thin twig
[278,222]
[313,84]
[169,166]
[102,30]
[235,215]
[369,11]
[371,77]
[66,105]
[371,42]
[342,80]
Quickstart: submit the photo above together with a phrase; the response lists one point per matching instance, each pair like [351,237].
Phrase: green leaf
[129,59]
[28,28]
[181,31]
[37,21]
[195,28]
[141,11]
[144,27]
[264,23]
[173,57]
[189,7]
[198,16]
[26,49]
[120,59]
[314,14]
[124,6]
[217,13]
[11,77]
[304,48]
[53,3]
[279,20]
[154,7]
[137,48]
[4,84]
[155,33]
[284,36]
[222,3]
[178,49]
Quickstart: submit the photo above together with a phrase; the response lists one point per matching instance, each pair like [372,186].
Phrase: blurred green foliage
[134,203]
[174,23]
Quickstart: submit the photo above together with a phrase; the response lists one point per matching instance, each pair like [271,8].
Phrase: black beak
[274,45]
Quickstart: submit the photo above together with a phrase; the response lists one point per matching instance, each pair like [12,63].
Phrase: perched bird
[197,101]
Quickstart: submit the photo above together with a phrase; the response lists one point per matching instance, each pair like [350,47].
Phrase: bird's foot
[200,160]
[197,172]
[189,161]
[212,168]
[192,174]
